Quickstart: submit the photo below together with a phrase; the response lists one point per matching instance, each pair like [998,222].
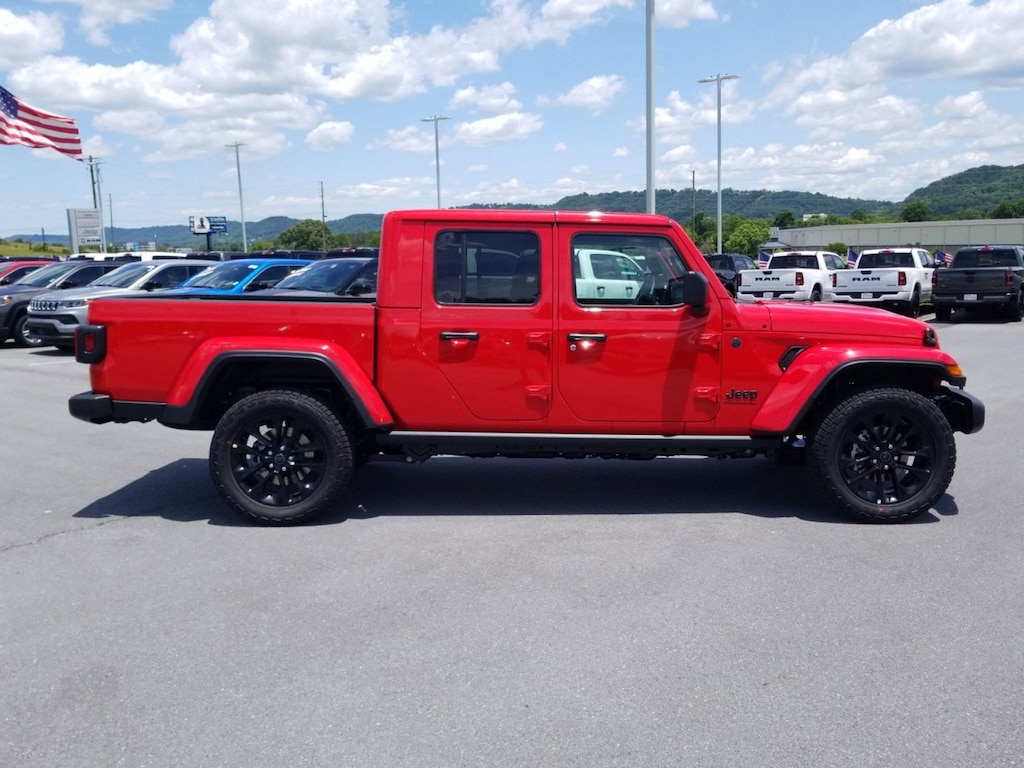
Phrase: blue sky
[871,99]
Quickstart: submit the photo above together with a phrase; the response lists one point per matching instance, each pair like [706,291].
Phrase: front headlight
[74,303]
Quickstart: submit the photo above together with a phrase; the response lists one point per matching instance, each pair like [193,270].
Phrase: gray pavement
[678,612]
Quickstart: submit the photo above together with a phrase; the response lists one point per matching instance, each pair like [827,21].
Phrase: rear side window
[486,267]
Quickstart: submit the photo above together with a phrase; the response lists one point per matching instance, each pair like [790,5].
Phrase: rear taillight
[799,278]
[902,279]
[1008,278]
[833,279]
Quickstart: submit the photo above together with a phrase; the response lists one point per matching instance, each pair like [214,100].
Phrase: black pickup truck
[981,276]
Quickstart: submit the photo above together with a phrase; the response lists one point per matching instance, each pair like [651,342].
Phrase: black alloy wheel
[280,457]
[884,454]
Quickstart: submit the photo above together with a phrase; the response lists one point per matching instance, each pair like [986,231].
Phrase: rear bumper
[101,409]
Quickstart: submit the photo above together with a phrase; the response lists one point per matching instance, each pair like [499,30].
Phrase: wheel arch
[235,374]
[794,409]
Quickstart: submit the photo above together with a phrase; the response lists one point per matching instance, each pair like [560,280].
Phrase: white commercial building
[933,235]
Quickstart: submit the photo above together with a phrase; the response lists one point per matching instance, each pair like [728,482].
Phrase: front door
[637,360]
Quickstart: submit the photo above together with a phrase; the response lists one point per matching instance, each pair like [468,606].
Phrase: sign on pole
[85,227]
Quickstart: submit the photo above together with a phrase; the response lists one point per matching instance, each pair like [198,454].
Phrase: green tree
[784,219]
[746,237]
[1008,210]
[915,210]
[308,234]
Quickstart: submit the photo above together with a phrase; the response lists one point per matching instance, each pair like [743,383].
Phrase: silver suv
[53,317]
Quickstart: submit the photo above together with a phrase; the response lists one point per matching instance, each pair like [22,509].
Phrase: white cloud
[595,94]
[330,135]
[491,98]
[25,38]
[680,13]
[500,128]
[96,16]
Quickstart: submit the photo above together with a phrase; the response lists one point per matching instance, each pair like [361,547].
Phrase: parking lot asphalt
[463,612]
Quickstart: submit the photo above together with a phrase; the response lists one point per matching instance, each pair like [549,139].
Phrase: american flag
[762,259]
[37,128]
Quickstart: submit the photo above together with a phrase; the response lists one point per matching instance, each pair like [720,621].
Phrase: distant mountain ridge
[968,194]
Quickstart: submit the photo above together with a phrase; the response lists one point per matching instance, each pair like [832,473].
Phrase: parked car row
[46,304]
[901,279]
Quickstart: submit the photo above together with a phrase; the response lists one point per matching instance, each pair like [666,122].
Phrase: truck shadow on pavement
[452,486]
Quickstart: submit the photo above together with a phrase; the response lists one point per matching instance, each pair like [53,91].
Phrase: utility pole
[97,198]
[693,188]
[110,201]
[651,194]
[437,151]
[717,79]
[241,205]
[323,214]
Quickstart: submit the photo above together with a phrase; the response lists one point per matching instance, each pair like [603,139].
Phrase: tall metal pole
[650,107]
[718,80]
[437,151]
[241,204]
[323,214]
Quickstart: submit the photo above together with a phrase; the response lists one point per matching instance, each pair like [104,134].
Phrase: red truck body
[420,370]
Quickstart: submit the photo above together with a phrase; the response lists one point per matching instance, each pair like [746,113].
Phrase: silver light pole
[651,193]
[437,151]
[241,204]
[718,80]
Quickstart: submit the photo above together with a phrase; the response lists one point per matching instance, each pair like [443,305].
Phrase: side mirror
[690,289]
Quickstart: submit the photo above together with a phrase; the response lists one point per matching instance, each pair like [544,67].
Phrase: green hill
[977,190]
[988,191]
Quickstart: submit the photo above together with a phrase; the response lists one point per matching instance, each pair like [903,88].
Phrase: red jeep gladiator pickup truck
[486,337]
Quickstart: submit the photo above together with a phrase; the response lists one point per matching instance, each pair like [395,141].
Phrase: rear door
[486,322]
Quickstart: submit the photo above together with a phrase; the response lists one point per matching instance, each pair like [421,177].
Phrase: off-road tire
[280,457]
[884,454]
[943,312]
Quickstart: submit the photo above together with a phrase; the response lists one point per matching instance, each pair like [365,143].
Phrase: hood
[841,320]
[89,292]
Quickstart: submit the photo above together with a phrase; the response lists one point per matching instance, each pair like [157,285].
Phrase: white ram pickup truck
[892,278]
[799,275]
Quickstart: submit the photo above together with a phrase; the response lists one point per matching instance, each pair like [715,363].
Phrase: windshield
[43,276]
[122,277]
[226,275]
[325,276]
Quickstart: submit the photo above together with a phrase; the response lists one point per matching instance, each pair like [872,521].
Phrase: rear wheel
[943,312]
[913,307]
[885,455]
[280,457]
[816,294]
[1017,308]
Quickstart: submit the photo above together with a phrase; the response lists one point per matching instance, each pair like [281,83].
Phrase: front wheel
[22,336]
[280,457]
[885,455]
